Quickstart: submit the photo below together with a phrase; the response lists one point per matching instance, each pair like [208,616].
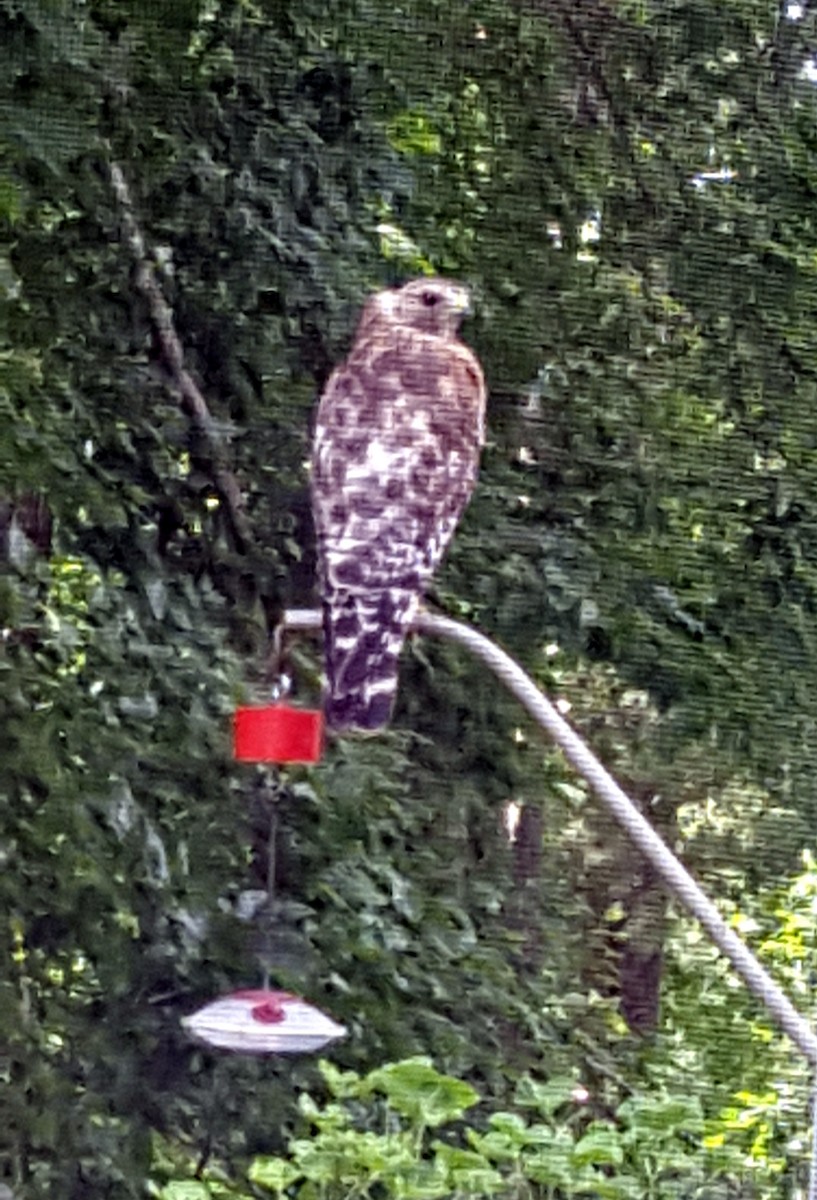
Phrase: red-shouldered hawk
[399,432]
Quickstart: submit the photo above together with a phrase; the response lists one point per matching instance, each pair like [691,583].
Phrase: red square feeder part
[277,733]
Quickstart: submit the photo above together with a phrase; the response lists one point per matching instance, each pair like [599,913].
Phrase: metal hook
[280,687]
[280,680]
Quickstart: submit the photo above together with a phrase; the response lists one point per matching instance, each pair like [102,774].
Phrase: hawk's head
[433,305]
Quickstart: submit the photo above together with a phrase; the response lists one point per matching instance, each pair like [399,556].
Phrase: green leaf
[411,132]
[546,1097]
[468,1171]
[274,1173]
[186,1190]
[666,1115]
[423,1181]
[415,1089]
[343,1085]
[600,1146]
[553,1167]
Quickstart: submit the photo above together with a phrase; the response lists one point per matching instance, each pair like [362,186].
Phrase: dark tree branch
[191,400]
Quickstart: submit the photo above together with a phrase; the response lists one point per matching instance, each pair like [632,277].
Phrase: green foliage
[753,1090]
[629,190]
[426,1147]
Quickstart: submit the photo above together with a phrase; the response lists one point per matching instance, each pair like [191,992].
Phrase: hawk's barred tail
[363,637]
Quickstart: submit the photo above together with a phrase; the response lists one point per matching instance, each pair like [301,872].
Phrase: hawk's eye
[429,299]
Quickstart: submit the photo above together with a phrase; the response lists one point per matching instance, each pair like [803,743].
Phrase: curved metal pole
[619,804]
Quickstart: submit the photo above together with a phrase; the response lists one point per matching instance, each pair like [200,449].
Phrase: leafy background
[629,189]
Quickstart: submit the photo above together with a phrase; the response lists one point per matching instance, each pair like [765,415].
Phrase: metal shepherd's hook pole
[622,808]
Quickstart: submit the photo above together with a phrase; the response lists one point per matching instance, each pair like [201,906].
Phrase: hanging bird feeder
[260,1021]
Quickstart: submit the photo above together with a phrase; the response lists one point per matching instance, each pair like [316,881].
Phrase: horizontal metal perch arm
[676,877]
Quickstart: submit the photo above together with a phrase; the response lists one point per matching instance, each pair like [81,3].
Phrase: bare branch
[191,400]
